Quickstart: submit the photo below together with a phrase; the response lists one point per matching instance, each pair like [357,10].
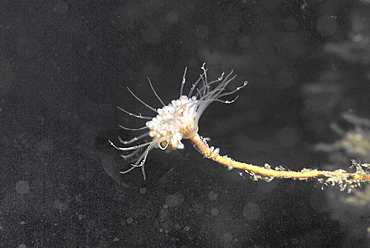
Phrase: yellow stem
[339,177]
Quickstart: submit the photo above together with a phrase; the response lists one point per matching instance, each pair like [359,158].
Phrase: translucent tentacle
[135,115]
[155,93]
[142,102]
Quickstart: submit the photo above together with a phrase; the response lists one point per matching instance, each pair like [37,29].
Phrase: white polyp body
[174,122]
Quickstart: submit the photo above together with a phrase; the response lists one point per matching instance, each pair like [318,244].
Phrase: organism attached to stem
[179,120]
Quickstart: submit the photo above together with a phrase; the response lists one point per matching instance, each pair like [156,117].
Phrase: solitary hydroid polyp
[180,118]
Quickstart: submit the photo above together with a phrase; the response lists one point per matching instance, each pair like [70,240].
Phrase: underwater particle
[227,237]
[294,241]
[22,187]
[46,146]
[60,7]
[81,216]
[186,229]
[60,205]
[174,200]
[245,42]
[177,226]
[251,211]
[198,208]
[290,24]
[129,220]
[201,32]
[142,190]
[163,213]
[22,246]
[214,211]
[172,17]
[78,198]
[212,195]
[327,25]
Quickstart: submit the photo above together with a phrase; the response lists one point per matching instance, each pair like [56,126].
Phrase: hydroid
[180,119]
[176,121]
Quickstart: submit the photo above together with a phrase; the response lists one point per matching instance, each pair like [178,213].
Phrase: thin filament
[155,93]
[135,115]
[183,82]
[133,129]
[142,102]
[125,142]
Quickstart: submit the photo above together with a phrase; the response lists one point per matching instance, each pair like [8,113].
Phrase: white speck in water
[60,205]
[177,226]
[251,211]
[174,200]
[227,237]
[142,190]
[129,220]
[22,187]
[198,208]
[212,195]
[61,7]
[214,211]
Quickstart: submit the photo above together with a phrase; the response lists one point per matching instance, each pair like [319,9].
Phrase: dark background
[65,66]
